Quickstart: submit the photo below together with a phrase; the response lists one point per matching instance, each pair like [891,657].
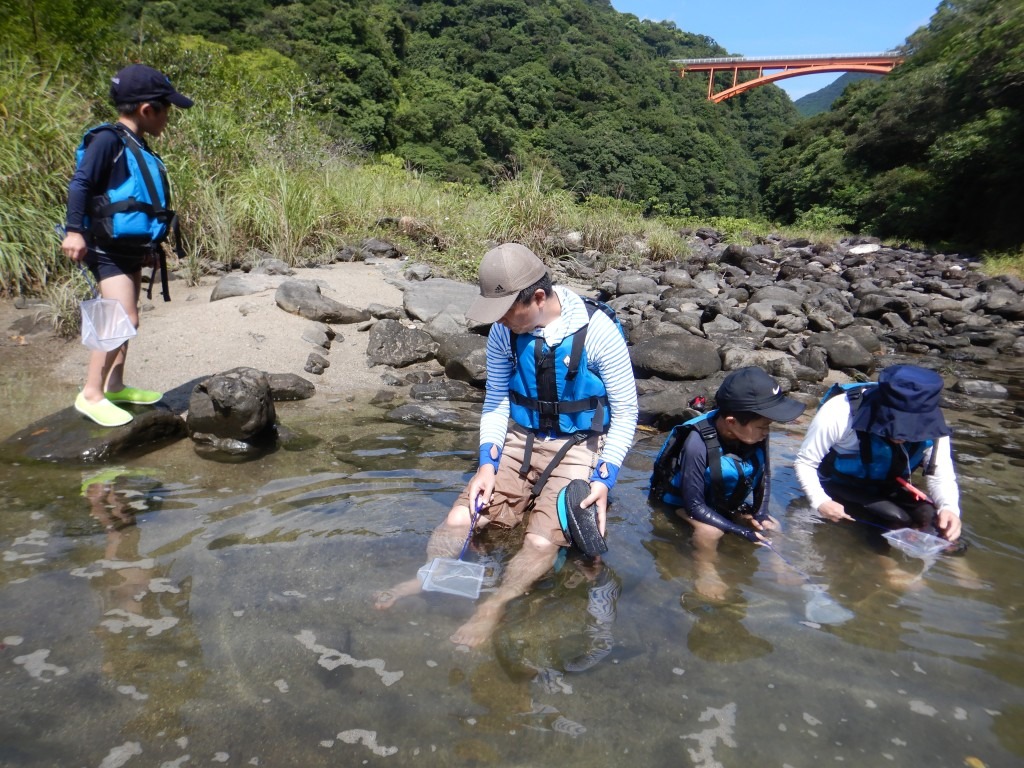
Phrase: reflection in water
[233,623]
[145,629]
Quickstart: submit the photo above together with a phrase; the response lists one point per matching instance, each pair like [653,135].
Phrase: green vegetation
[443,125]
[931,152]
[821,100]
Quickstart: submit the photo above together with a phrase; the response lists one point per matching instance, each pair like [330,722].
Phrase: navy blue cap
[137,82]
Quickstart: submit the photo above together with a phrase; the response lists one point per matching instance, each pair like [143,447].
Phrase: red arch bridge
[772,68]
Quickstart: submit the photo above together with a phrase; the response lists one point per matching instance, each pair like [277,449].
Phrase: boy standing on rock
[563,376]
[118,214]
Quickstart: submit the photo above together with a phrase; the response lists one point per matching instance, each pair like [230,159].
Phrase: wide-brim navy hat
[906,405]
[137,83]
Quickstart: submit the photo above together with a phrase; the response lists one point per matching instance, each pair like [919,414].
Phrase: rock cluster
[805,312]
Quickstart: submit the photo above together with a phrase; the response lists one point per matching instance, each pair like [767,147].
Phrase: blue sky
[792,27]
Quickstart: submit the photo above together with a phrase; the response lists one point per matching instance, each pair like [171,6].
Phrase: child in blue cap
[118,214]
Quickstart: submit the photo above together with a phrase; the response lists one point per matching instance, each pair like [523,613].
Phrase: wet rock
[233,411]
[447,390]
[449,417]
[67,436]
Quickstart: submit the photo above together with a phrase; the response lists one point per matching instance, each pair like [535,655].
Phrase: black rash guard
[694,464]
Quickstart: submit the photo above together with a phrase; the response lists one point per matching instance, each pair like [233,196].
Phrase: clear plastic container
[916,543]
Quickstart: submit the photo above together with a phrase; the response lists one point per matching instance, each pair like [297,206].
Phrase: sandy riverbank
[191,337]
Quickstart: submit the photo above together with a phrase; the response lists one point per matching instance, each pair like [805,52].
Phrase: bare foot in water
[388,597]
[479,627]
[711,586]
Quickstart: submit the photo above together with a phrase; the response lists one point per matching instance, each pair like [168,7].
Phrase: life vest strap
[555,408]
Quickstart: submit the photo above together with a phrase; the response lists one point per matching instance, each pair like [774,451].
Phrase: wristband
[485,455]
[605,473]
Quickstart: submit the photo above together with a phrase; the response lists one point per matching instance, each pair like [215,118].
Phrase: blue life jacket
[878,462]
[553,390]
[135,213]
[728,478]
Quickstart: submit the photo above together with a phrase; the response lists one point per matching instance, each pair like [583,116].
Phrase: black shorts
[893,508]
[103,264]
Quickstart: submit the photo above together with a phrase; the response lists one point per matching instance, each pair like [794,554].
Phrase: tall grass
[1011,263]
[527,211]
[256,172]
[40,119]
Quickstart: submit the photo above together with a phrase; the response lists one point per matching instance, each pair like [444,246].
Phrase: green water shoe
[104,413]
[134,396]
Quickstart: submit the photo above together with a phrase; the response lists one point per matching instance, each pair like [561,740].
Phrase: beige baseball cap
[504,272]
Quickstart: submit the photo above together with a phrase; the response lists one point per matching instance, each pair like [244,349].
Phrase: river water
[234,623]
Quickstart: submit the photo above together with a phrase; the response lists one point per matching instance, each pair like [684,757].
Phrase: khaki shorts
[512,500]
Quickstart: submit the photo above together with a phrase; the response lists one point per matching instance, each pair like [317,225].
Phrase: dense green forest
[569,99]
[932,151]
[821,100]
[574,87]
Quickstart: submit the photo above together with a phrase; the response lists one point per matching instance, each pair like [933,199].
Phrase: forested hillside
[569,93]
[933,150]
[821,100]
[458,88]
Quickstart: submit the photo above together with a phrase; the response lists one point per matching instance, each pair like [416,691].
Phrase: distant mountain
[821,101]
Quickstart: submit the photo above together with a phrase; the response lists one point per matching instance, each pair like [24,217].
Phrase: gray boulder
[290,386]
[464,357]
[425,300]
[303,298]
[676,357]
[843,350]
[391,343]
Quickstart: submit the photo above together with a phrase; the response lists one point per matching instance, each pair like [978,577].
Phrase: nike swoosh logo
[776,390]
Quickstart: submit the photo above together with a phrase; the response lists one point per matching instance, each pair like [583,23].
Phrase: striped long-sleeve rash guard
[607,356]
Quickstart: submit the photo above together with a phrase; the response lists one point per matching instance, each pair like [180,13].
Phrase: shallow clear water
[233,624]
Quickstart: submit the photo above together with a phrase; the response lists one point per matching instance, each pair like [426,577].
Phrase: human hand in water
[834,511]
[948,524]
[767,523]
[754,536]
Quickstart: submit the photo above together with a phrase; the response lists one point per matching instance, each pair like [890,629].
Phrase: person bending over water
[860,446]
[714,470]
[564,377]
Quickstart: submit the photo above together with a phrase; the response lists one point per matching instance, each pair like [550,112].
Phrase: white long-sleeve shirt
[832,427]
[607,356]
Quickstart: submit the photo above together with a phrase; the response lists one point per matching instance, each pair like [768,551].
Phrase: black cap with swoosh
[751,389]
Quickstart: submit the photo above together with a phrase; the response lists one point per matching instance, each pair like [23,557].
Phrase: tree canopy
[931,152]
